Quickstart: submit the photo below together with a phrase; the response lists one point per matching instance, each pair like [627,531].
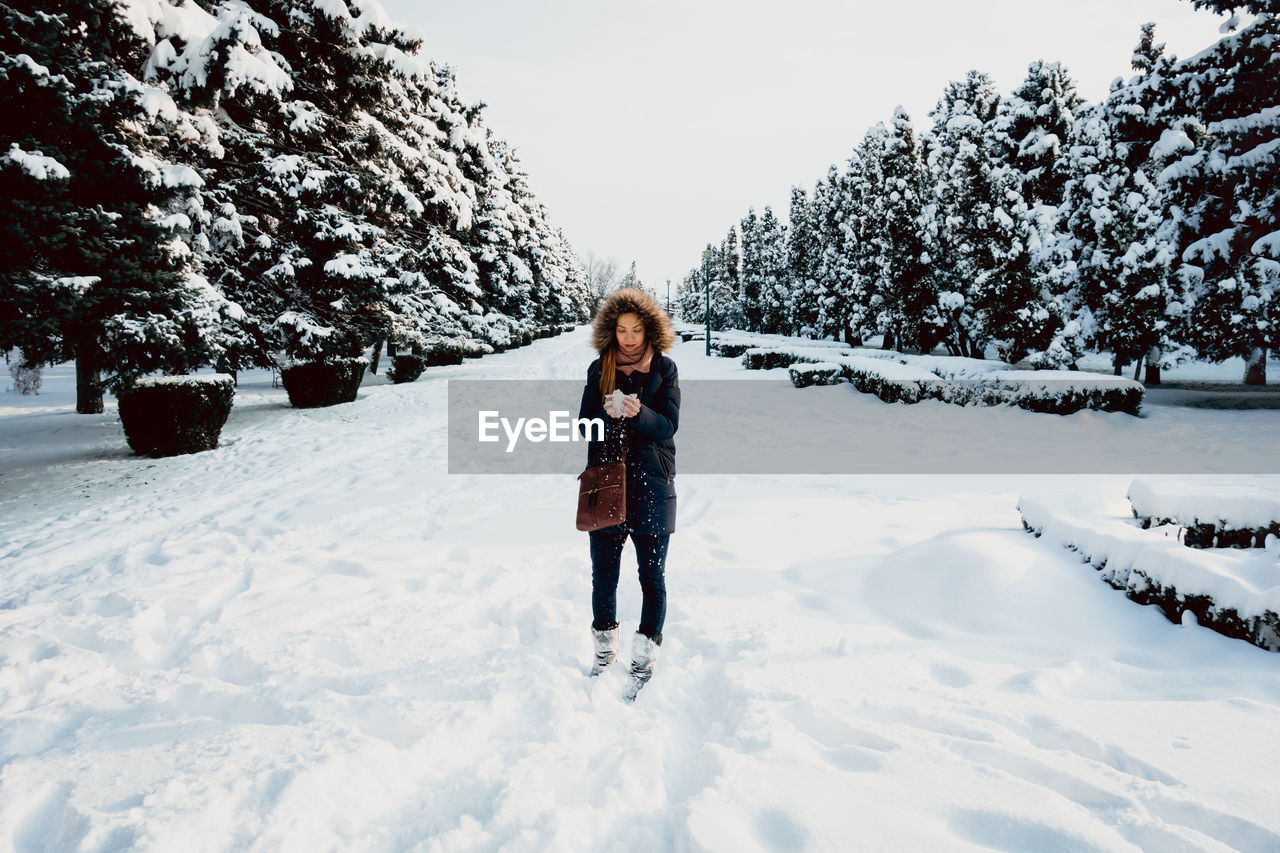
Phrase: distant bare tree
[602,276]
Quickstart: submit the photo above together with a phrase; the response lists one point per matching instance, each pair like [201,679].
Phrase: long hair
[628,300]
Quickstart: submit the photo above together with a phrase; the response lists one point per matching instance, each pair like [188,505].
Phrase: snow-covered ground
[315,638]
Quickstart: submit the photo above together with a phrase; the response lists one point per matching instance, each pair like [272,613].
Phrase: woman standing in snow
[631,332]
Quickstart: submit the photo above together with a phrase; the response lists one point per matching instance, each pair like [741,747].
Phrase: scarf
[639,362]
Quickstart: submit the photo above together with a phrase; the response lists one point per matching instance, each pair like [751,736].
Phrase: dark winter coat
[649,436]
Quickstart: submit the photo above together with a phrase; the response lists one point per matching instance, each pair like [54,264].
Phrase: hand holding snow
[613,403]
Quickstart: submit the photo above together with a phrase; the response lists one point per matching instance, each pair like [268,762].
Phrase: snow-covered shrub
[729,349]
[26,377]
[406,368]
[759,358]
[1154,569]
[1232,515]
[768,357]
[444,352]
[893,383]
[313,384]
[172,415]
[820,373]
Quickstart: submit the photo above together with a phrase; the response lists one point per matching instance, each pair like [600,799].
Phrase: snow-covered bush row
[1236,593]
[1225,515]
[1058,392]
[895,377]
[1146,226]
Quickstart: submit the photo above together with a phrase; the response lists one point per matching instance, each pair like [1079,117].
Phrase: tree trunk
[374,357]
[391,349]
[848,333]
[1153,366]
[1255,371]
[1137,368]
[223,367]
[888,341]
[88,381]
[1116,366]
[1073,366]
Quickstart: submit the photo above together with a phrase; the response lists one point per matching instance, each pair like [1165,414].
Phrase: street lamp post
[706,280]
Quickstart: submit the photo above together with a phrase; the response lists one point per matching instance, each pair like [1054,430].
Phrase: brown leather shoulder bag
[602,492]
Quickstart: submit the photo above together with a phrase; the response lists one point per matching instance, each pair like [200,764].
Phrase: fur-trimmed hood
[657,325]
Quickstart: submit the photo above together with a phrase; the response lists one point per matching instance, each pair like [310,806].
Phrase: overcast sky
[649,126]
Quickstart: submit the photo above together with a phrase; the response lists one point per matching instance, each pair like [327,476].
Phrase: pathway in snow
[315,638]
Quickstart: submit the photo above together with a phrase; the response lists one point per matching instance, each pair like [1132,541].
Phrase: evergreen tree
[726,274]
[910,312]
[1123,269]
[864,294]
[775,289]
[374,201]
[804,254]
[827,302]
[961,203]
[751,277]
[1033,125]
[1223,180]
[95,263]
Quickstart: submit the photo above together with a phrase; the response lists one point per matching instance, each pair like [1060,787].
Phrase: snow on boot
[644,653]
[606,643]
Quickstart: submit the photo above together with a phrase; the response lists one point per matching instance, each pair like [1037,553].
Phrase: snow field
[314,638]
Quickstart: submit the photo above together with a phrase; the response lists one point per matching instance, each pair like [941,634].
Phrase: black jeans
[606,560]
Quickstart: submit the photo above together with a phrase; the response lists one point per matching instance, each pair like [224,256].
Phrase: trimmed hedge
[730,349]
[173,415]
[1222,515]
[314,384]
[819,373]
[406,368]
[442,354]
[1151,575]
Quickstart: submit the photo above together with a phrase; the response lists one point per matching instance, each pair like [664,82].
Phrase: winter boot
[644,653]
[606,643]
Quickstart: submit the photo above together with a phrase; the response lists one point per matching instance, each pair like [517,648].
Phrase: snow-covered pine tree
[775,293]
[1222,176]
[960,202]
[726,273]
[1032,127]
[863,295]
[911,314]
[1007,296]
[826,301]
[689,297]
[804,253]
[751,275]
[1115,214]
[1124,300]
[95,265]
[308,174]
